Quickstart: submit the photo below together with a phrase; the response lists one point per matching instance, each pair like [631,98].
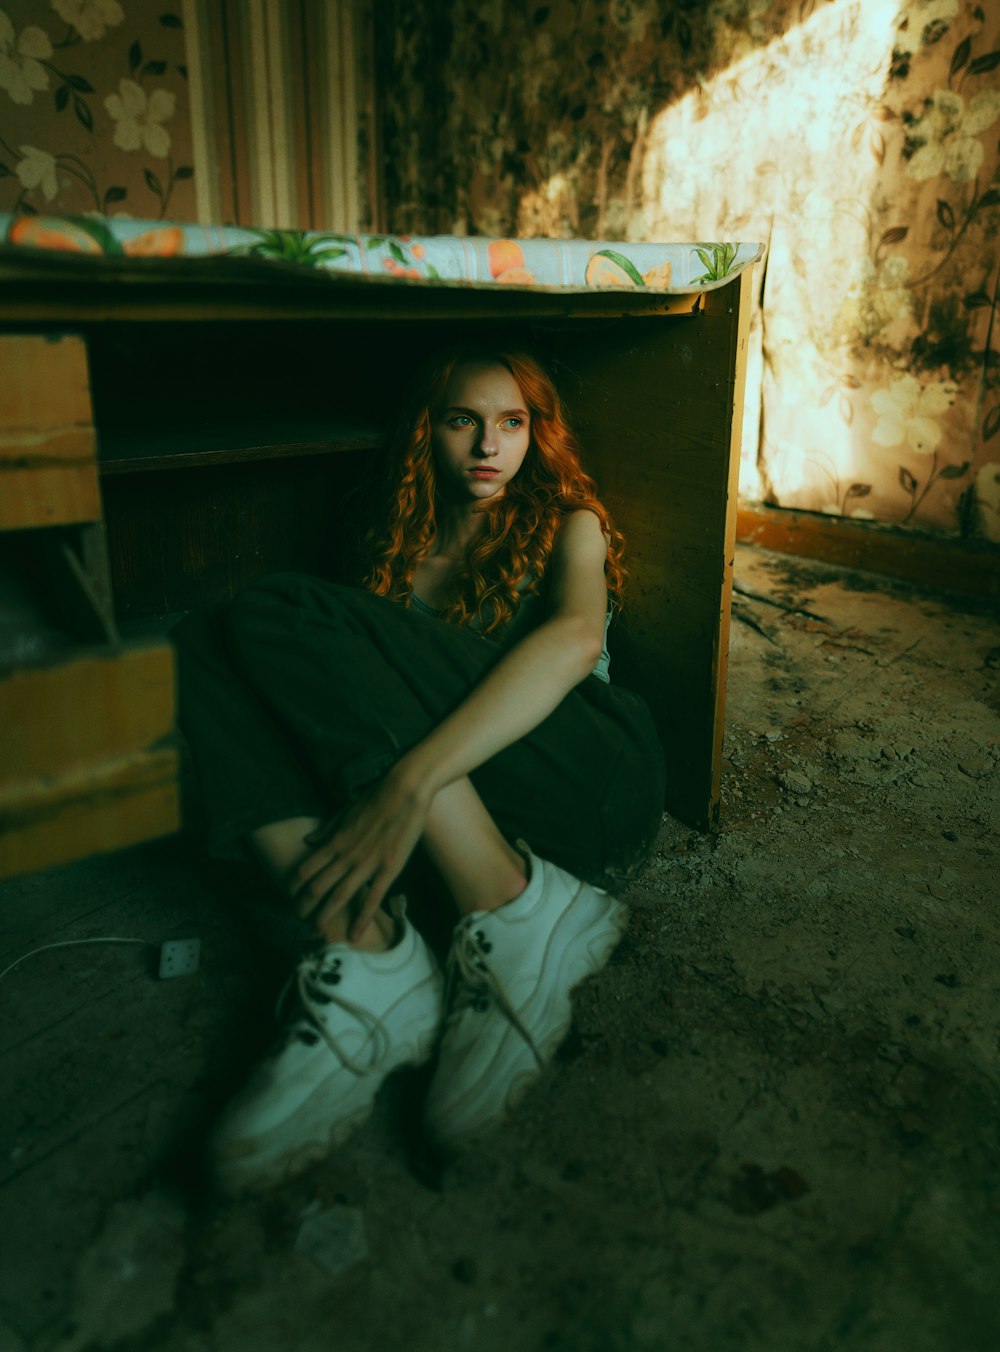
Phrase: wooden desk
[233,416]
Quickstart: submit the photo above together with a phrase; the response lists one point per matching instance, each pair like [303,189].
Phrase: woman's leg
[348,683]
[249,770]
[585,785]
[281,846]
[305,1101]
[480,868]
[355,681]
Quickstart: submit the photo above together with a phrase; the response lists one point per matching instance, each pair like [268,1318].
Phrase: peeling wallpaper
[857,138]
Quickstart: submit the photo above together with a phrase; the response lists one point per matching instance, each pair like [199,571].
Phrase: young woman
[459,701]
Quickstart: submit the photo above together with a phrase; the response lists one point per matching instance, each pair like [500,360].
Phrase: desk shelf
[135,450]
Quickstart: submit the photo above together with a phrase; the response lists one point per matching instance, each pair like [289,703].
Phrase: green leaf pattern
[718,260]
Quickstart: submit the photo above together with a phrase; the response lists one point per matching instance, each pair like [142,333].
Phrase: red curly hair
[509,556]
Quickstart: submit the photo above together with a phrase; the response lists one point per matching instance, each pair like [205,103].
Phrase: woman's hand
[359,858]
[363,854]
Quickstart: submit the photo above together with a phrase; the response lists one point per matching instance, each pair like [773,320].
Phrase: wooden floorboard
[104,1066]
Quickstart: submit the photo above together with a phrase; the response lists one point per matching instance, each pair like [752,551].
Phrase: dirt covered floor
[774,1126]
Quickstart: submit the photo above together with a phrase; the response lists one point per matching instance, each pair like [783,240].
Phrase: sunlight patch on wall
[758,152]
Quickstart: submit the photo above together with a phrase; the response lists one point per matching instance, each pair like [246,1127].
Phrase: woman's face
[479,433]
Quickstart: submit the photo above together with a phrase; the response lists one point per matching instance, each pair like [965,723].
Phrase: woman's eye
[512,424]
[460,420]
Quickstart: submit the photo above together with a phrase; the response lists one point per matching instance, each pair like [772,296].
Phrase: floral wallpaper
[857,138]
[94,109]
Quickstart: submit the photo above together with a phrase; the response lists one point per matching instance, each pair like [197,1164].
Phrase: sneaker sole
[242,1168]
[586,949]
[240,1175]
[585,952]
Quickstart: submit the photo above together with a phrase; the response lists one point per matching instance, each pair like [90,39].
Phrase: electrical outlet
[179,957]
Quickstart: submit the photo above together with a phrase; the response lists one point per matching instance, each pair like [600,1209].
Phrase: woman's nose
[488,441]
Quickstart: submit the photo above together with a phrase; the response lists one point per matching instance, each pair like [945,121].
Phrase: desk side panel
[659,416]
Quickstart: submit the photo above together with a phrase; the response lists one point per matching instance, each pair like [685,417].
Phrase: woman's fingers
[359,860]
[315,876]
[323,834]
[330,878]
[368,882]
[374,896]
[333,887]
[337,851]
[362,885]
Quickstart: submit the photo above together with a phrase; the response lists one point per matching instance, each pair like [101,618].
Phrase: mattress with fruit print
[545,264]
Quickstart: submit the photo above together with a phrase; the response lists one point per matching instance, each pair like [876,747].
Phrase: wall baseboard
[958,566]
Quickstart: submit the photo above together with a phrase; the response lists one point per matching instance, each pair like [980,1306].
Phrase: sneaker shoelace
[471,981]
[313,982]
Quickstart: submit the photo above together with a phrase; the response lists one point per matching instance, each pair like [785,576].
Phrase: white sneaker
[510,973]
[362,1015]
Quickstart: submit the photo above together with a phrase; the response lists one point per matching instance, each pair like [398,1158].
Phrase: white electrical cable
[73,943]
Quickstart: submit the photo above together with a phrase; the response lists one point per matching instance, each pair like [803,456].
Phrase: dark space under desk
[234,418]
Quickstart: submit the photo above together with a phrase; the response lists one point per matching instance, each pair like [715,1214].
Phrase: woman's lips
[483,473]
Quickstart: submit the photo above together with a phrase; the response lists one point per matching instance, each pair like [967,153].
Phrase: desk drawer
[48,464]
[87,757]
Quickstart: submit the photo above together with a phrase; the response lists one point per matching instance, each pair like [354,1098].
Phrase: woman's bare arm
[532,678]
[370,847]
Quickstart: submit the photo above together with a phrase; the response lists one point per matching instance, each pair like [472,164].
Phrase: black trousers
[300,693]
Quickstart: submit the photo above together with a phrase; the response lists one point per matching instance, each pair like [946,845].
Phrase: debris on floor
[127,1276]
[333,1238]
[773,1127]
